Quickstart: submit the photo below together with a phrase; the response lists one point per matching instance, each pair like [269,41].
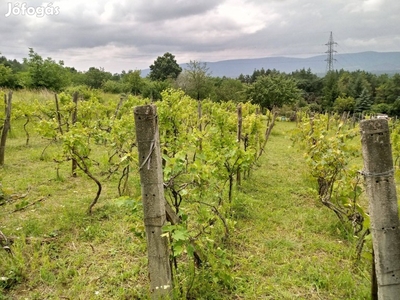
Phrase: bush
[115,87]
[315,107]
[84,91]
[382,108]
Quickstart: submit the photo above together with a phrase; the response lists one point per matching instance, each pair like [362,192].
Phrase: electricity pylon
[331,45]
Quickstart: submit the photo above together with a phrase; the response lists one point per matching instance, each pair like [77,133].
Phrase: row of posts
[379,182]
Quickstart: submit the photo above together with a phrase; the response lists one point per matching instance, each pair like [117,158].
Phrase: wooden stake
[6,128]
[381,191]
[58,115]
[74,119]
[267,133]
[239,138]
[200,115]
[151,178]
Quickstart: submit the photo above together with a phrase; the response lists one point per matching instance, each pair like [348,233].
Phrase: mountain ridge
[369,61]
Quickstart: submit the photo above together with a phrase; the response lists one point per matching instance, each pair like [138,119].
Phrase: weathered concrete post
[381,191]
[151,178]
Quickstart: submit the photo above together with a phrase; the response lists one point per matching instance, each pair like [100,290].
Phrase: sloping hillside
[374,62]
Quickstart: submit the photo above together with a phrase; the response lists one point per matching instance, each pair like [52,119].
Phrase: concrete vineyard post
[381,190]
[151,178]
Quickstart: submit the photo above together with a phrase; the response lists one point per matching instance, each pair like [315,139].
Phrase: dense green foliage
[274,90]
[45,73]
[330,155]
[263,240]
[165,67]
[340,91]
[195,80]
[201,156]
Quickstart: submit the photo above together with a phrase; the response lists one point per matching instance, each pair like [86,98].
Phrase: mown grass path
[287,245]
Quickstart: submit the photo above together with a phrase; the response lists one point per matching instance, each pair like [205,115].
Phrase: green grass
[285,244]
[289,246]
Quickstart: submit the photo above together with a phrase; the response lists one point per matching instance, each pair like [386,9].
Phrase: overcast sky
[128,35]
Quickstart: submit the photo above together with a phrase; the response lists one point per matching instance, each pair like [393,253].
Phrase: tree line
[339,91]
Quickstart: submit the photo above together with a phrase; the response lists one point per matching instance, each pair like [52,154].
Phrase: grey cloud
[79,31]
[158,10]
[150,28]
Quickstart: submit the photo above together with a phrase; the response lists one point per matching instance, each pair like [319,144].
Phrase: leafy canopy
[165,67]
[194,80]
[46,73]
[96,77]
[274,90]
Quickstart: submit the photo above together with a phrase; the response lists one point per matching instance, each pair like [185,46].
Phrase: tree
[330,90]
[363,102]
[77,77]
[115,87]
[361,84]
[6,76]
[46,73]
[343,104]
[15,65]
[229,89]
[244,78]
[195,80]
[395,109]
[165,67]
[382,108]
[11,73]
[274,90]
[153,89]
[95,77]
[388,90]
[262,72]
[346,85]
[133,81]
[309,83]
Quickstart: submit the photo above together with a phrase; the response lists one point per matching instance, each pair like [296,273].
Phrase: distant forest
[338,91]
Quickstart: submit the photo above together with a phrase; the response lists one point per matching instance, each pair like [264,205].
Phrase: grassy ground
[285,245]
[288,245]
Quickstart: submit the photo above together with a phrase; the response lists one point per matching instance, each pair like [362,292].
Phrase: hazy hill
[374,62]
